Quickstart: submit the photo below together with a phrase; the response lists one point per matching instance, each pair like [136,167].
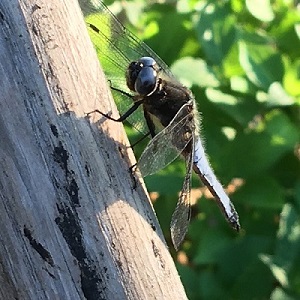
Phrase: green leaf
[255,152]
[261,63]
[281,294]
[241,85]
[297,194]
[192,71]
[215,31]
[241,110]
[254,282]
[278,96]
[230,64]
[284,30]
[288,237]
[261,192]
[278,272]
[244,254]
[212,242]
[287,250]
[284,134]
[209,286]
[166,41]
[190,280]
[291,79]
[260,9]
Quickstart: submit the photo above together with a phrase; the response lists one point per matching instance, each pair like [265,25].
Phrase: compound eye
[145,83]
[147,62]
[141,75]
[131,74]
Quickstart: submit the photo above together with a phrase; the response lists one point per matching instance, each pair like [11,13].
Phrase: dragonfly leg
[120,91]
[150,124]
[131,110]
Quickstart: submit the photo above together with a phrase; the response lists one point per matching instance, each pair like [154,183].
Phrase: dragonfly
[149,96]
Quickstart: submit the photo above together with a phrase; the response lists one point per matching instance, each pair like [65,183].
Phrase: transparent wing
[182,214]
[169,143]
[116,48]
[203,169]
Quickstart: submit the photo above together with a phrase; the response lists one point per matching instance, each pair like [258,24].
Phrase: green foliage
[242,61]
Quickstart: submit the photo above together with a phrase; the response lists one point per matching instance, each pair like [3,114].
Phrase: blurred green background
[242,61]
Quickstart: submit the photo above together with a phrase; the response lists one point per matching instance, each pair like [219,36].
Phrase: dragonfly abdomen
[203,169]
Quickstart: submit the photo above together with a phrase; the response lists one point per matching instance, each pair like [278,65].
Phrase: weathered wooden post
[72,225]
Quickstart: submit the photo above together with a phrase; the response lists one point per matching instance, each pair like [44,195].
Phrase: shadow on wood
[72,225]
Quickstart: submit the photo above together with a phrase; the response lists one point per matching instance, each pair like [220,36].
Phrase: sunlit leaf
[278,272]
[260,9]
[193,71]
[278,96]
[281,294]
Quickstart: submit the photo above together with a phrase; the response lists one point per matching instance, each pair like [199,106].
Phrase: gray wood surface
[72,225]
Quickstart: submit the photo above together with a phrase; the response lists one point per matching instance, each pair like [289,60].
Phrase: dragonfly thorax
[142,76]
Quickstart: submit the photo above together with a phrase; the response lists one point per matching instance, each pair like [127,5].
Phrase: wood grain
[72,224]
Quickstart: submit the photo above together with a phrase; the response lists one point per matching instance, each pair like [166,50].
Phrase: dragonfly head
[142,76]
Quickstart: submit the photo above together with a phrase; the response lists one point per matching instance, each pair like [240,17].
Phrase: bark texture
[72,224]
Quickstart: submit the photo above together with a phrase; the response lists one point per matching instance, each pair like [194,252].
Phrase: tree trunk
[72,224]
